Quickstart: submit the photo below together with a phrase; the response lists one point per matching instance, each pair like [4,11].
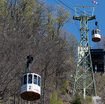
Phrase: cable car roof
[31,73]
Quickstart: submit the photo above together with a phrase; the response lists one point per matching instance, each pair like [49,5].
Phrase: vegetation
[76,100]
[54,99]
[32,27]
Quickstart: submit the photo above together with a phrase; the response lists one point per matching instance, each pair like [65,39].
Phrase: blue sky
[74,27]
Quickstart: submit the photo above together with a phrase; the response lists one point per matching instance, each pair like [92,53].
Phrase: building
[98,60]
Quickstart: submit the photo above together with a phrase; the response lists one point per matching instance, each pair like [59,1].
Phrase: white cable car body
[31,87]
[96,37]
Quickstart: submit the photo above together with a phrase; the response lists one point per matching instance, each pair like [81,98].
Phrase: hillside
[33,28]
[30,28]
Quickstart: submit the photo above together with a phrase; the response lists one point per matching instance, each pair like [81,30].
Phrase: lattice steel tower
[84,78]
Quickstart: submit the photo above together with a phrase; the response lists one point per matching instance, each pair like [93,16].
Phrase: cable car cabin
[96,37]
[31,87]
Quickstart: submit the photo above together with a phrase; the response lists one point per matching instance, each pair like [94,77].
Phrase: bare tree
[29,27]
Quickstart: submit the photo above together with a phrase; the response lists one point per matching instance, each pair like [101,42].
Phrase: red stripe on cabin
[30,91]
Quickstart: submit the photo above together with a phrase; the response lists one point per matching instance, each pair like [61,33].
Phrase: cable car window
[38,81]
[22,80]
[35,79]
[93,32]
[25,79]
[30,78]
[98,31]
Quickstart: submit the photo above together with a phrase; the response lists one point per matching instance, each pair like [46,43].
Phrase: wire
[78,8]
[64,3]
[69,9]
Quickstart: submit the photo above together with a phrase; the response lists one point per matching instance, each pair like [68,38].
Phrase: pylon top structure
[84,78]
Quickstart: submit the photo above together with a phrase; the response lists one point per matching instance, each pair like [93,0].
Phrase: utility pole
[84,79]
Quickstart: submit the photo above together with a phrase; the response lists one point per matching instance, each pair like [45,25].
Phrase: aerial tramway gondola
[31,84]
[96,37]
